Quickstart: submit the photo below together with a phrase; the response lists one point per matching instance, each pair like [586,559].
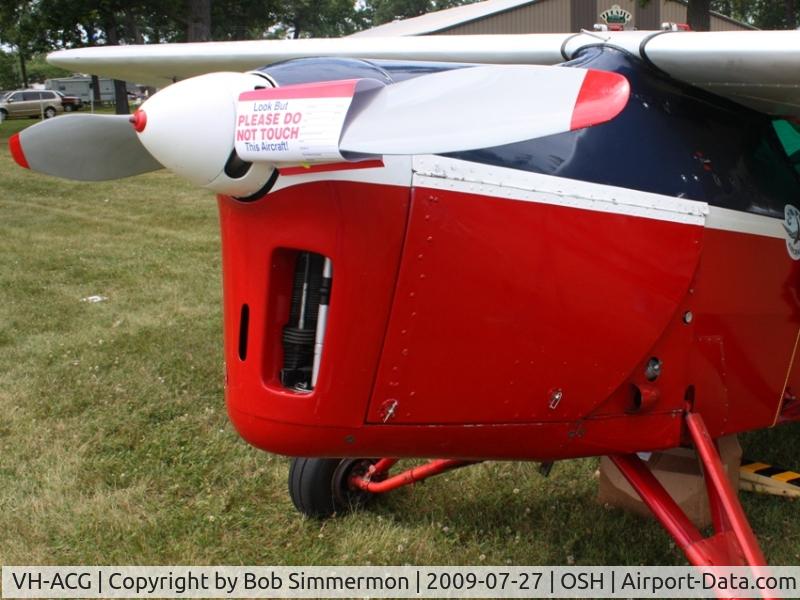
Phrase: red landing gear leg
[377,481]
[321,487]
[733,542]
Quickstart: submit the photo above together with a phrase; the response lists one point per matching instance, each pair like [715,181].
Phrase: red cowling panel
[329,167]
[502,303]
[360,227]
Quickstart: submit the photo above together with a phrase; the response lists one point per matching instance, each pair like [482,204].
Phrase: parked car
[70,103]
[31,103]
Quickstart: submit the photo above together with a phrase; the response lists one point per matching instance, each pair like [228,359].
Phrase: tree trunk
[132,26]
[95,85]
[199,25]
[96,90]
[698,15]
[23,69]
[120,89]
[121,98]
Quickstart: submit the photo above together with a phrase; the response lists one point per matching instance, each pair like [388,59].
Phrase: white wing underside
[760,69]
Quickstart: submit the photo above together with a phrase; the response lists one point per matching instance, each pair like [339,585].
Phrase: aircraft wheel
[319,486]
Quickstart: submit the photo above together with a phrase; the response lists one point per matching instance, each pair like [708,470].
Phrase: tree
[235,20]
[698,15]
[199,21]
[72,23]
[323,18]
[19,29]
[8,71]
[67,23]
[110,23]
[40,70]
[764,14]
[384,11]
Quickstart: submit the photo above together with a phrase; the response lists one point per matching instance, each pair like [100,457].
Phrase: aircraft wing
[756,68]
[161,64]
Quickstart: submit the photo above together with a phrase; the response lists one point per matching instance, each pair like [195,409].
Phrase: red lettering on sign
[292,118]
[245,135]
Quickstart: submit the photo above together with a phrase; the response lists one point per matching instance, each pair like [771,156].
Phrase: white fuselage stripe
[739,221]
[438,172]
[501,182]
[443,173]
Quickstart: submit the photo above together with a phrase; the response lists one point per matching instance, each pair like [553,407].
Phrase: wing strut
[733,542]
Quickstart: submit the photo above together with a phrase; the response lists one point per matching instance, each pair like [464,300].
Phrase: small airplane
[516,247]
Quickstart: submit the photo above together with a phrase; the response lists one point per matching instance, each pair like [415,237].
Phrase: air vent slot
[244,324]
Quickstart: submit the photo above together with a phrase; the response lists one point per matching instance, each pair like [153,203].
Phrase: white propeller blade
[481,107]
[83,147]
[187,128]
[449,111]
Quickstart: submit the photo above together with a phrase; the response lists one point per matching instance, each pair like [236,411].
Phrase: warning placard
[293,124]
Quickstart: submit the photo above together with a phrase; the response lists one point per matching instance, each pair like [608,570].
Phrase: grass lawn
[115,447]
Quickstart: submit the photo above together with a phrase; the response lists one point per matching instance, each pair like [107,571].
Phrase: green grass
[115,447]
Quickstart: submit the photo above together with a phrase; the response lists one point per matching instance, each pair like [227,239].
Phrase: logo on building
[616,15]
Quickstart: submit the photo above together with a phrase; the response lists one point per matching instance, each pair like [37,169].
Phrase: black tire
[49,112]
[3,114]
[319,487]
[68,108]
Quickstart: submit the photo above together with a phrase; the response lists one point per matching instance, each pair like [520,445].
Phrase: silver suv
[30,103]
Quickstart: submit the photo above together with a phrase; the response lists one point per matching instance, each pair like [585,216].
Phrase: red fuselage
[563,298]
[468,315]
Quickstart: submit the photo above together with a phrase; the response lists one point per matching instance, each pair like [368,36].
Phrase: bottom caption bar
[398,582]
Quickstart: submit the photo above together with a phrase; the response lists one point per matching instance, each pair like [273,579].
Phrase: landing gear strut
[321,487]
[733,542]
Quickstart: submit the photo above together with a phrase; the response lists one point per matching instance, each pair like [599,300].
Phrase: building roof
[452,17]
[443,19]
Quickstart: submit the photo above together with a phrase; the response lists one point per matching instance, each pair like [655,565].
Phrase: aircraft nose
[189,126]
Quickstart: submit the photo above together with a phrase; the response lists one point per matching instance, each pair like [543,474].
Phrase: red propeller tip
[16,151]
[139,120]
[602,97]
